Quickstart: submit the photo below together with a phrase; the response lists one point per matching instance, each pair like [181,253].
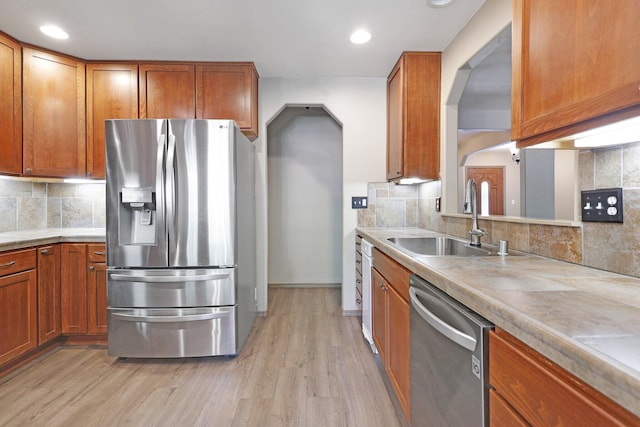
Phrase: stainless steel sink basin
[440,246]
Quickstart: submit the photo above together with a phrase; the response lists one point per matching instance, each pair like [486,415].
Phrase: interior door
[494,188]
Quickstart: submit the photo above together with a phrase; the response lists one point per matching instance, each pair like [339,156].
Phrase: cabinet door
[10,107]
[379,313]
[18,314]
[74,288]
[502,414]
[573,61]
[112,93]
[167,91]
[228,91]
[413,117]
[97,289]
[49,323]
[398,362]
[53,115]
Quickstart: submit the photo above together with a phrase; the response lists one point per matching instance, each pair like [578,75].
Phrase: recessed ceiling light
[439,3]
[360,37]
[55,32]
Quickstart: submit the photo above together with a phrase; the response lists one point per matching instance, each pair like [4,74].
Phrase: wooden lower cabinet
[390,311]
[18,304]
[535,391]
[97,289]
[49,322]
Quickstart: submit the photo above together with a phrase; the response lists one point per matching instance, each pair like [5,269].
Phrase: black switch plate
[603,205]
[359,203]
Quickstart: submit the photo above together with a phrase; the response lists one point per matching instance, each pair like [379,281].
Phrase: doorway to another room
[304,172]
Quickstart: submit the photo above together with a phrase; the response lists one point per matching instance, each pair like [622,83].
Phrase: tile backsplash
[26,205]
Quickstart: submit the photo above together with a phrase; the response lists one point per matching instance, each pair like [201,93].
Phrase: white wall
[490,19]
[359,104]
[305,197]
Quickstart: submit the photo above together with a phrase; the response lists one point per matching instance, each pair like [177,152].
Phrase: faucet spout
[471,206]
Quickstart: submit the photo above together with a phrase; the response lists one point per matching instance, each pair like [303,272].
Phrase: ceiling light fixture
[360,37]
[55,32]
[439,3]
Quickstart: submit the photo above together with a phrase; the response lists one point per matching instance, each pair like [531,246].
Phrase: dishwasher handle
[453,334]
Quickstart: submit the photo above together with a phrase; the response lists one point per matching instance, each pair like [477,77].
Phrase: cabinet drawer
[97,253]
[13,262]
[545,394]
[396,274]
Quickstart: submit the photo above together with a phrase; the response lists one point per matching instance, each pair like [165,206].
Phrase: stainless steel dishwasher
[449,369]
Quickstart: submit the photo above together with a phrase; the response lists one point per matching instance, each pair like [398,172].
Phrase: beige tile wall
[26,205]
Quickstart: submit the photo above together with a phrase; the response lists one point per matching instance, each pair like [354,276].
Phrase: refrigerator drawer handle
[438,324]
[168,279]
[170,319]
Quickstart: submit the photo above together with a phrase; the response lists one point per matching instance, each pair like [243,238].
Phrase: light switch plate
[603,205]
[359,203]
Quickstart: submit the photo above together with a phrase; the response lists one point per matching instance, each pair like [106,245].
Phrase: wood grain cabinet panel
[54,142]
[167,91]
[390,311]
[18,304]
[112,93]
[413,117]
[544,394]
[96,289]
[575,66]
[49,321]
[228,91]
[10,106]
[74,288]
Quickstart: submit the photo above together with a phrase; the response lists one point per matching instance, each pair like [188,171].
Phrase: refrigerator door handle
[171,186]
[167,279]
[171,319]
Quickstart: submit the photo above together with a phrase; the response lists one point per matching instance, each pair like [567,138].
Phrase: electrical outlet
[359,203]
[603,205]
[437,204]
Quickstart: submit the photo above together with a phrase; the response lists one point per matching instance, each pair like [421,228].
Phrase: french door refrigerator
[181,262]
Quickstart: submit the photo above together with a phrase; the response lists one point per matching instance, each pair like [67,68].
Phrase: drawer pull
[8,264]
[45,252]
[98,253]
[91,268]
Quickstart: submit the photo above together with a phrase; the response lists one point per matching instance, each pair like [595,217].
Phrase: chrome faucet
[471,206]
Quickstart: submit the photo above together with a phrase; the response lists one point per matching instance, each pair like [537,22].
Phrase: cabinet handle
[358,281]
[45,252]
[8,264]
[98,253]
[27,171]
[358,301]
[91,268]
[358,262]
[88,173]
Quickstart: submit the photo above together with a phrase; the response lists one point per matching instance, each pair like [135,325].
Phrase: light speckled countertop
[45,236]
[585,320]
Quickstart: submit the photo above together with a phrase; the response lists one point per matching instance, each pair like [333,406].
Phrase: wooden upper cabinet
[413,117]
[575,66]
[228,91]
[167,91]
[10,106]
[112,93]
[53,115]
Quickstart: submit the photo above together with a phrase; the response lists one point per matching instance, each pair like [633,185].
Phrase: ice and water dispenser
[137,216]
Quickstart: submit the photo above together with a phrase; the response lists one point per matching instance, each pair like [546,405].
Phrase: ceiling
[284,38]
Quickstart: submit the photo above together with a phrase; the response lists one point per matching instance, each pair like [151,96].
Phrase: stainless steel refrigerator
[181,276]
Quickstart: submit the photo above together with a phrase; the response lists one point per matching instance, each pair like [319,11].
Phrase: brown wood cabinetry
[112,93]
[49,322]
[53,115]
[575,66]
[390,306]
[96,289]
[74,288]
[228,91]
[413,117]
[18,304]
[10,106]
[531,389]
[167,91]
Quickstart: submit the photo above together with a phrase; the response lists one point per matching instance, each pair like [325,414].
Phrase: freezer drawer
[179,332]
[171,288]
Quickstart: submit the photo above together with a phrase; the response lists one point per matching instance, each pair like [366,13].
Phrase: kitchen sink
[440,246]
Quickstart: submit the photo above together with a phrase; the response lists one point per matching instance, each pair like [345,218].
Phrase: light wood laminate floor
[303,365]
